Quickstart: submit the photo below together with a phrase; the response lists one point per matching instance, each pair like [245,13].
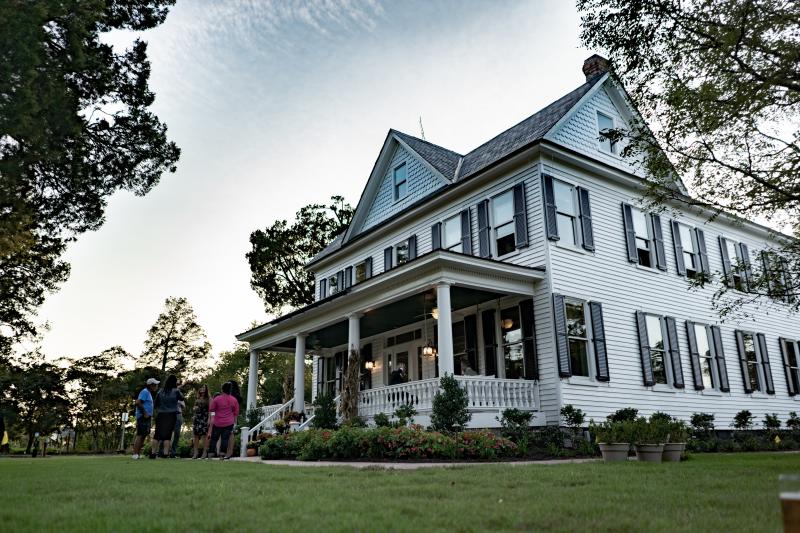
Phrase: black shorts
[143,426]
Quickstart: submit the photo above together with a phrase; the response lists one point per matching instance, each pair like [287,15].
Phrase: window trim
[715,378]
[665,350]
[460,245]
[651,238]
[333,284]
[576,218]
[397,263]
[362,264]
[395,195]
[493,224]
[612,145]
[759,362]
[501,344]
[587,319]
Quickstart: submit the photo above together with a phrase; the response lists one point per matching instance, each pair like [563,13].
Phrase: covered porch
[441,314]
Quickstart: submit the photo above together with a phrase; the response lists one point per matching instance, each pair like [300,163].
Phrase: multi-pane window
[460,350]
[503,221]
[578,337]
[605,123]
[512,342]
[644,237]
[658,352]
[401,252]
[451,234]
[400,182]
[792,358]
[704,343]
[333,284]
[737,268]
[691,256]
[566,212]
[751,360]
[361,272]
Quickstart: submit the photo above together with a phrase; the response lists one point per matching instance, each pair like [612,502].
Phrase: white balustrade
[387,399]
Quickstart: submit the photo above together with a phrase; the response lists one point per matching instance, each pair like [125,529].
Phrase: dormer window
[400,182]
[605,123]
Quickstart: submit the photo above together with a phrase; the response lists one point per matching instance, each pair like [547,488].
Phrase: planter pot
[672,452]
[650,453]
[294,425]
[615,451]
[252,452]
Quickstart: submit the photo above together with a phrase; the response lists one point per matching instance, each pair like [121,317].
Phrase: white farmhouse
[527,269]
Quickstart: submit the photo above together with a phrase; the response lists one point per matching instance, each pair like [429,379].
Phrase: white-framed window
[333,284]
[401,253]
[605,123]
[792,351]
[566,212]
[503,223]
[642,227]
[705,352]
[400,182]
[578,337]
[737,274]
[360,272]
[751,360]
[691,255]
[511,337]
[658,351]
[451,234]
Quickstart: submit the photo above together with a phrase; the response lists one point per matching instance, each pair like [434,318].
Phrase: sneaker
[135,456]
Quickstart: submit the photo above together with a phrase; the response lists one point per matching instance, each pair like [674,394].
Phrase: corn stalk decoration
[349,406]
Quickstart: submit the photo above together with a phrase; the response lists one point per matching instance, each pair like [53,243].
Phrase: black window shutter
[551,224]
[678,245]
[483,229]
[471,340]
[340,280]
[562,342]
[586,219]
[787,368]
[727,271]
[530,360]
[520,217]
[644,349]
[765,366]
[674,353]
[786,280]
[412,247]
[694,356]
[387,258]
[490,357]
[599,341]
[436,236]
[630,234]
[722,367]
[702,252]
[658,237]
[743,361]
[748,270]
[348,277]
[466,232]
[323,288]
[368,268]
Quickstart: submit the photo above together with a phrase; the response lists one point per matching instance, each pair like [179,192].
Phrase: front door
[397,365]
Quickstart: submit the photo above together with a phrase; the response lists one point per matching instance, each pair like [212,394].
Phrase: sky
[279,104]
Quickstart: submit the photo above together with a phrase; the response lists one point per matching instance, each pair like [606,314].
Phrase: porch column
[353,332]
[252,381]
[445,325]
[299,372]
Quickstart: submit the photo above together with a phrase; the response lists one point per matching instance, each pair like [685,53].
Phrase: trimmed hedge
[387,443]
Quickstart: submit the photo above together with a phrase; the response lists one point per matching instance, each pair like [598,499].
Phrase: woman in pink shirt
[223,412]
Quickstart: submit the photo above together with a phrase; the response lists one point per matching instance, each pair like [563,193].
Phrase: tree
[176,342]
[280,252]
[719,82]
[75,127]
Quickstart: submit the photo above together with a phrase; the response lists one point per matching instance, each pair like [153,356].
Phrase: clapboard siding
[624,288]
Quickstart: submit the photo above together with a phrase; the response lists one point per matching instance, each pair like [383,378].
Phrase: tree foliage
[176,343]
[719,83]
[75,127]
[279,253]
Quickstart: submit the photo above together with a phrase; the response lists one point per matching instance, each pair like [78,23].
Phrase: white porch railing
[268,421]
[483,393]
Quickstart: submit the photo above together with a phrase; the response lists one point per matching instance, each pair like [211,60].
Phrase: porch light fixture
[435,313]
[428,350]
[508,323]
[369,365]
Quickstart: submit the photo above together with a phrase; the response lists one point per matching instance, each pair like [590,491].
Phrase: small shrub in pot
[613,439]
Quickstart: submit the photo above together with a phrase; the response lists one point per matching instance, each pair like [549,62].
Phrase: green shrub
[678,431]
[587,448]
[626,414]
[548,438]
[324,412]
[347,443]
[702,425]
[613,432]
[573,419]
[483,445]
[382,420]
[515,425]
[450,411]
[743,420]
[355,422]
[405,414]
[649,432]
[771,422]
[253,417]
[793,422]
[660,416]
[316,446]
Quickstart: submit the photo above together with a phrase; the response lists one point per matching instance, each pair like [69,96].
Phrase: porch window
[605,123]
[401,253]
[460,359]
[578,338]
[644,237]
[566,212]
[400,182]
[658,353]
[503,222]
[452,234]
[512,343]
[751,360]
[691,255]
[704,343]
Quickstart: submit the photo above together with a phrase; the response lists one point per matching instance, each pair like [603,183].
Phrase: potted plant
[281,426]
[676,441]
[649,441]
[613,438]
[292,418]
[252,448]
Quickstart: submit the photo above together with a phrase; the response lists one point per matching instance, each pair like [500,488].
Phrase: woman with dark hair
[166,405]
[200,419]
[236,393]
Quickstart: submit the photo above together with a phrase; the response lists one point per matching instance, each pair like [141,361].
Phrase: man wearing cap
[144,415]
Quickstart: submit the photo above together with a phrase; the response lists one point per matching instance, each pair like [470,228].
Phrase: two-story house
[529,270]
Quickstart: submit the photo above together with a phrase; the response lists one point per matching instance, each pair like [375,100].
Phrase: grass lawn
[736,492]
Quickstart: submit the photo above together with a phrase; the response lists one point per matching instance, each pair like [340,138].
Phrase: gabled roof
[442,159]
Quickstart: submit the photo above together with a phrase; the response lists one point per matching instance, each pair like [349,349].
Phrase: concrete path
[405,466]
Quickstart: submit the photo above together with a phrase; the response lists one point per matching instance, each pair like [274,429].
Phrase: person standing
[200,420]
[167,405]
[144,415]
[224,409]
[176,434]
[237,394]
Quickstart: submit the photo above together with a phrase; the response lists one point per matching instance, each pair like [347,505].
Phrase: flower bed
[403,443]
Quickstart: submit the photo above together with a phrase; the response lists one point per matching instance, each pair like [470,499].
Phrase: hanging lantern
[428,350]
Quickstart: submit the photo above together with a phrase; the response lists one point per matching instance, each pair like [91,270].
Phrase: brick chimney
[595,66]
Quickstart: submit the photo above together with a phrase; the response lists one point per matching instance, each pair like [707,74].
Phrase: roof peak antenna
[421,129]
